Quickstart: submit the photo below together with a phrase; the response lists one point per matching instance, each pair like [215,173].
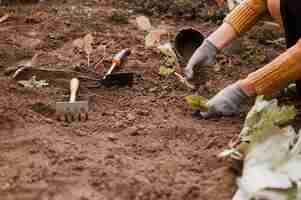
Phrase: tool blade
[73,108]
[118,79]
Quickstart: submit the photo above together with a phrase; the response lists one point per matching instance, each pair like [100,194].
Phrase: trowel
[119,79]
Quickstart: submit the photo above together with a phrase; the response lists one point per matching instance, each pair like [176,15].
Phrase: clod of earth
[153,37]
[42,108]
[143,23]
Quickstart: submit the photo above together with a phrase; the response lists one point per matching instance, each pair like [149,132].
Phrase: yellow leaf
[165,71]
[197,102]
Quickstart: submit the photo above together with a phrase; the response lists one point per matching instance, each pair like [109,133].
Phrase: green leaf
[272,153]
[166,71]
[197,102]
[264,116]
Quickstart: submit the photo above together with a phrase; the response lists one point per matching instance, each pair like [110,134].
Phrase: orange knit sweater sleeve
[276,75]
[245,15]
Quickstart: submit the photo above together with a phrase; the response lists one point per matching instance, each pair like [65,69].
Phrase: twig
[88,58]
[184,80]
[271,24]
[102,59]
[4,18]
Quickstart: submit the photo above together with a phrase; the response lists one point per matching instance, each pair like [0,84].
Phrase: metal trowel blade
[118,79]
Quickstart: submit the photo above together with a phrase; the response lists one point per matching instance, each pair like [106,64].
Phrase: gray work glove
[226,102]
[204,55]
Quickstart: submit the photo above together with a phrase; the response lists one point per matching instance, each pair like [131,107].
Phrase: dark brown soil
[140,142]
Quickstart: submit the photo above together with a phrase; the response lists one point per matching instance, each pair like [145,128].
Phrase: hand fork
[72,110]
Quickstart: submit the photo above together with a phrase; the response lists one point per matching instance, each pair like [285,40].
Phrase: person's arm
[222,36]
[267,80]
[246,14]
[277,74]
[240,20]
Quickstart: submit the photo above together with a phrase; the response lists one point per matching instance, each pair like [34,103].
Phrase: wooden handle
[110,70]
[74,85]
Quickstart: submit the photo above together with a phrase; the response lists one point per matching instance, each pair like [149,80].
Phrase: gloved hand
[226,102]
[204,55]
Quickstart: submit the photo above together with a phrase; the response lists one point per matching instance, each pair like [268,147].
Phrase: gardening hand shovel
[119,79]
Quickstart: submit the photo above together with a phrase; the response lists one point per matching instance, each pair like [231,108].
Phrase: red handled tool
[120,79]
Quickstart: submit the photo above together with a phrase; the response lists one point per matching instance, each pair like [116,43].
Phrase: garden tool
[72,110]
[120,79]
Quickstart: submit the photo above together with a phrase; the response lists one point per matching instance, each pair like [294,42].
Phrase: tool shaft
[111,69]
[74,85]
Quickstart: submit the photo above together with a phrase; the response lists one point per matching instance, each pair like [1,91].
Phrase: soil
[140,142]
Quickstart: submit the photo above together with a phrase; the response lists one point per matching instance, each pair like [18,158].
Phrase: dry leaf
[88,40]
[4,18]
[171,62]
[143,23]
[153,37]
[79,43]
[33,83]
